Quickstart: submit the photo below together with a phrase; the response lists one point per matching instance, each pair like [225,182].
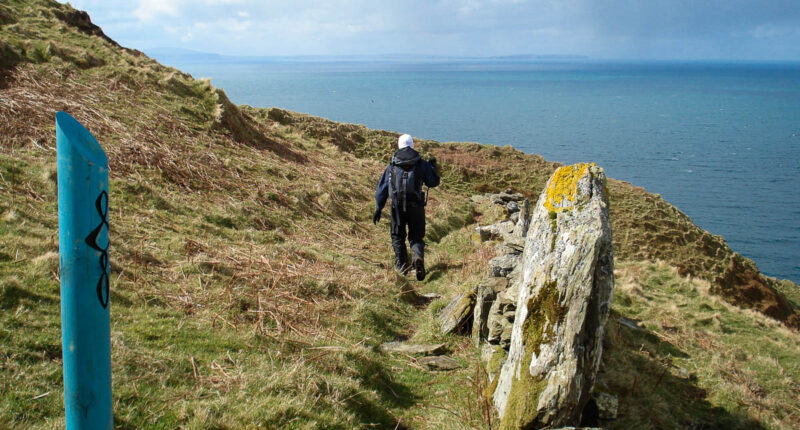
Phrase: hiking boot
[419,266]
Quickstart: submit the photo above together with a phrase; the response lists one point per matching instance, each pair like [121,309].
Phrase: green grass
[743,366]
[186,352]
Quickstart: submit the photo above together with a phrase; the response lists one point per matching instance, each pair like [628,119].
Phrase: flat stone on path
[411,349]
[439,362]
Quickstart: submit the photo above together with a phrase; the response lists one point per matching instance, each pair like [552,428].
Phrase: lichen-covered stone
[456,314]
[561,193]
[493,357]
[563,300]
[499,329]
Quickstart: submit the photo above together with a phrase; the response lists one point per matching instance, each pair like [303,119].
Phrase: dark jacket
[418,172]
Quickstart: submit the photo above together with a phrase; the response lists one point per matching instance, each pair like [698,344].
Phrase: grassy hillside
[250,288]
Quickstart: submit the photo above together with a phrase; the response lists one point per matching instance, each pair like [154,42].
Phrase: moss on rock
[553,229]
[496,360]
[544,311]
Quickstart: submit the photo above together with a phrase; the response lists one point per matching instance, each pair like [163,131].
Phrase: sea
[721,141]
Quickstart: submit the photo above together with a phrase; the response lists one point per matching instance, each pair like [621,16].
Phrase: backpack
[405,183]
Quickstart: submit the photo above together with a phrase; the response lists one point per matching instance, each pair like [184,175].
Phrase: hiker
[403,180]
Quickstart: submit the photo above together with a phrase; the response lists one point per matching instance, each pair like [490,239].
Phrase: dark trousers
[414,219]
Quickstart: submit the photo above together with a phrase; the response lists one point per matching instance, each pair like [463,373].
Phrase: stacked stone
[496,297]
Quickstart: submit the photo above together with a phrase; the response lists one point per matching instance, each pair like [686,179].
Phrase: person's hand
[376,216]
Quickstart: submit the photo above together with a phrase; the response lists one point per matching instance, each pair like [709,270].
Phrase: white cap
[405,141]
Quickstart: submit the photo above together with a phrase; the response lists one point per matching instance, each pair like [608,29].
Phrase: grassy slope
[740,364]
[250,287]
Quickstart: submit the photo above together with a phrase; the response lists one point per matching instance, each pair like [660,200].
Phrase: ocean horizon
[719,140]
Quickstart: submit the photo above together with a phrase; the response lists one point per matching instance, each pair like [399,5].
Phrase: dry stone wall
[539,317]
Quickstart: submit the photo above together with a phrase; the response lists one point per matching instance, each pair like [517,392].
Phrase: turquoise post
[83,245]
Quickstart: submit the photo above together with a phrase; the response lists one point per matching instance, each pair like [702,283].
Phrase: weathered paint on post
[83,245]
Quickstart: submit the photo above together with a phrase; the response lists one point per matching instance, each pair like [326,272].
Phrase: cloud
[599,28]
[150,9]
[236,26]
[774,31]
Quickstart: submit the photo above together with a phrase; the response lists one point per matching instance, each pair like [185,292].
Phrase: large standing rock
[562,306]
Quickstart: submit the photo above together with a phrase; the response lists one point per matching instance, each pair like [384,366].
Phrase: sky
[603,29]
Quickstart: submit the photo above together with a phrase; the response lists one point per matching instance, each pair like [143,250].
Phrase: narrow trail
[442,372]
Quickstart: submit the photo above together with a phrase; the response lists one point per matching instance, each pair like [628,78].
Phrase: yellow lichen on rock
[564,185]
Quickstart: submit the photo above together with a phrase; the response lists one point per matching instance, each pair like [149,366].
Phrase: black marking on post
[101,204]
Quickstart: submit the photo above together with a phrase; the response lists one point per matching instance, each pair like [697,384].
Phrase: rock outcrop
[80,19]
[564,284]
